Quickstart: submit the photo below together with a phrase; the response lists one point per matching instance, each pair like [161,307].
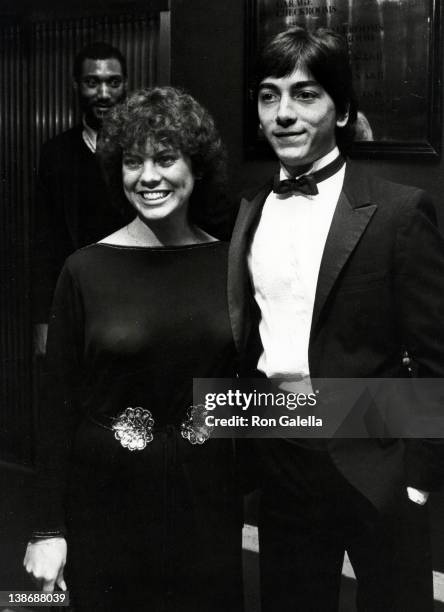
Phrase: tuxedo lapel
[238,276]
[353,212]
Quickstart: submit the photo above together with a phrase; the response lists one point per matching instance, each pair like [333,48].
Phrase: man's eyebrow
[296,85]
[308,83]
[267,85]
[102,76]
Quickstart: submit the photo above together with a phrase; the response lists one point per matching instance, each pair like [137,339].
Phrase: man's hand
[417,496]
[40,333]
[45,560]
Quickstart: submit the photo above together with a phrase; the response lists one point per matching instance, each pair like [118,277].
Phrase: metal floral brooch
[134,428]
[194,428]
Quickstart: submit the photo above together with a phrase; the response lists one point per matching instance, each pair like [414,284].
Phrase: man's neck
[309,168]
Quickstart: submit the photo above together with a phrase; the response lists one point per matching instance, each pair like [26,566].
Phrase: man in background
[74,206]
[334,274]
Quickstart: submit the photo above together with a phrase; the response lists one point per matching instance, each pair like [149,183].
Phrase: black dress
[157,529]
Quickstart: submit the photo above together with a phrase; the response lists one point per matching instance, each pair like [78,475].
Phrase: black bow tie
[306,184]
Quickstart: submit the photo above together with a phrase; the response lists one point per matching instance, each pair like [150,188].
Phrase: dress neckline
[181,247]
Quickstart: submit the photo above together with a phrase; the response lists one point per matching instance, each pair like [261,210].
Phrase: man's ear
[341,120]
[75,85]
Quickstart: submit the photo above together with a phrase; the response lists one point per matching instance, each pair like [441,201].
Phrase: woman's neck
[138,233]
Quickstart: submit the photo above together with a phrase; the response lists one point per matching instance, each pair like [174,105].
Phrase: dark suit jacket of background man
[380,290]
[73,208]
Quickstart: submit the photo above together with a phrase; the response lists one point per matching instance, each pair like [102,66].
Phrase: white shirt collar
[89,136]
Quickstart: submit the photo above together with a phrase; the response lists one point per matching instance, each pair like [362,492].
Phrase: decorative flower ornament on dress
[133,428]
[194,428]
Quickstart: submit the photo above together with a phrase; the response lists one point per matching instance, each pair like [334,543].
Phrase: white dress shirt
[284,260]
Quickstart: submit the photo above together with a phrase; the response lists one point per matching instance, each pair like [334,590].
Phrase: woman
[151,519]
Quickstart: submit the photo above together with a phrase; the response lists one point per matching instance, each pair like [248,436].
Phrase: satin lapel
[238,277]
[348,224]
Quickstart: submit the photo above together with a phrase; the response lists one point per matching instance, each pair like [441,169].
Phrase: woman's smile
[155,197]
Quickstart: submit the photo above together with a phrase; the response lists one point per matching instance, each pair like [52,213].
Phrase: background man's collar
[89,136]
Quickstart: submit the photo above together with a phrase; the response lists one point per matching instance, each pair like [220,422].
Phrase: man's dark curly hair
[165,117]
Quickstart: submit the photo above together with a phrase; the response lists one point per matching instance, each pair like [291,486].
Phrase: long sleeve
[60,411]
[419,286]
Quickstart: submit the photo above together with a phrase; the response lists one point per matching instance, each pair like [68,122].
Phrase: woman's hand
[45,560]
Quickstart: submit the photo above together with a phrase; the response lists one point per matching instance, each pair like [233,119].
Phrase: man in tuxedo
[335,273]
[73,202]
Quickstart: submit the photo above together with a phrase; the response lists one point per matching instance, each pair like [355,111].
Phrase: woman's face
[158,182]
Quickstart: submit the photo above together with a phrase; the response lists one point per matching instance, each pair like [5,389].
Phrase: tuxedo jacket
[72,208]
[380,292]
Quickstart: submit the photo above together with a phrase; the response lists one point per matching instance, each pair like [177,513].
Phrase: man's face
[298,118]
[102,86]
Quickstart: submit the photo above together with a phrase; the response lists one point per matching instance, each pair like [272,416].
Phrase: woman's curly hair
[165,117]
